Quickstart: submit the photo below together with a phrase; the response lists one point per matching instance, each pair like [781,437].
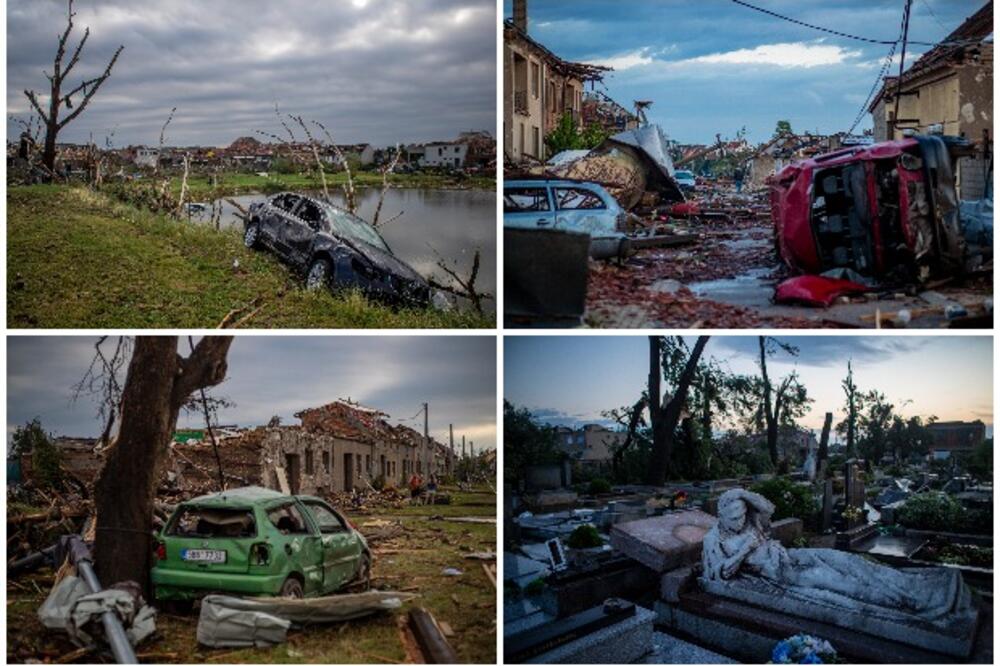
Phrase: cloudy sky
[572,380]
[379,71]
[715,66]
[281,375]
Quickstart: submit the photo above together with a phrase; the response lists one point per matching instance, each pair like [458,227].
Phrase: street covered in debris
[613,222]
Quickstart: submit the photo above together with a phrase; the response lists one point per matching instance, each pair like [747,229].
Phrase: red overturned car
[886,213]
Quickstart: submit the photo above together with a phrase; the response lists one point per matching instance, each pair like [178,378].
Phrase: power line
[875,86]
[931,12]
[840,33]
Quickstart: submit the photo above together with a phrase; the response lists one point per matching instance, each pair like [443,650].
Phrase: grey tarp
[68,607]
[243,622]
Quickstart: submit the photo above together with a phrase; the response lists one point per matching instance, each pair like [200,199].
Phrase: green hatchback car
[255,541]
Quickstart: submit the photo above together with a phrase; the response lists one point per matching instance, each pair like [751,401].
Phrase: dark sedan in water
[333,248]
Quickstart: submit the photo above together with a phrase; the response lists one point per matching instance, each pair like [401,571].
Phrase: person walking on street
[432,488]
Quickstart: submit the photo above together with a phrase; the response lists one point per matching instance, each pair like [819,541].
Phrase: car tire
[319,275]
[251,235]
[292,589]
[363,579]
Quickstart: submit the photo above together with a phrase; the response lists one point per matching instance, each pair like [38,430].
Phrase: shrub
[599,486]
[790,500]
[585,536]
[936,511]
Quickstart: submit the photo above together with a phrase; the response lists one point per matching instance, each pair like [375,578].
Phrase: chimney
[521,15]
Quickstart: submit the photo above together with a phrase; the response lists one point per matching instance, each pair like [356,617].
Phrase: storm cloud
[281,375]
[378,71]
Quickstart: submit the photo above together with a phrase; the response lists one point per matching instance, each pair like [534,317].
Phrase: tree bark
[664,416]
[769,415]
[156,386]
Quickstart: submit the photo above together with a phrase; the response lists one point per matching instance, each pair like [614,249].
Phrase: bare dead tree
[102,381]
[464,287]
[163,131]
[57,99]
[157,385]
[350,198]
[314,146]
[386,170]
[184,184]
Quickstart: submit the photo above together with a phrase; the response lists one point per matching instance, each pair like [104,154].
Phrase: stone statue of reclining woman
[927,606]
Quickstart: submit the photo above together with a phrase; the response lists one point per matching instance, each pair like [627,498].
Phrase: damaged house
[949,88]
[338,447]
[539,88]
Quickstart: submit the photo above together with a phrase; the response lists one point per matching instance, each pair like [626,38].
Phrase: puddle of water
[453,222]
[750,289]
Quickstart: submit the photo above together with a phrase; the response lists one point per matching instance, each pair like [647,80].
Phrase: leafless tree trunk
[89,88]
[665,412]
[386,170]
[163,131]
[157,385]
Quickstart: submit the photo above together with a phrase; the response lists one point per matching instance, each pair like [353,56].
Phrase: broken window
[309,461]
[287,519]
[534,79]
[312,214]
[525,199]
[571,198]
[328,521]
[326,462]
[358,466]
[536,145]
[368,464]
[203,523]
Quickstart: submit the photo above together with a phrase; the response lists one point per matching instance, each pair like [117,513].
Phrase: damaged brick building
[339,447]
[950,86]
[539,87]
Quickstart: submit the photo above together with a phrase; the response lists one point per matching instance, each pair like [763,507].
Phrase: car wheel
[319,275]
[363,580]
[291,589]
[251,236]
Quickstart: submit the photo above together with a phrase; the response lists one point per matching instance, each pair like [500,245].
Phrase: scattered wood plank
[490,573]
[282,480]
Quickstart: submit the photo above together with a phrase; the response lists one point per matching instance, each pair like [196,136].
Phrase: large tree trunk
[665,416]
[824,439]
[769,416]
[156,386]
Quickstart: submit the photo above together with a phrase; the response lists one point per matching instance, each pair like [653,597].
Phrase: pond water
[434,225]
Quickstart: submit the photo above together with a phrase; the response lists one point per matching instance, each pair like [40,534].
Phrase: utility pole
[427,443]
[902,64]
[451,444]
[463,447]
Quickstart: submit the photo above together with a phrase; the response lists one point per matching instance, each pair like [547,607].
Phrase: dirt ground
[412,545]
[726,279]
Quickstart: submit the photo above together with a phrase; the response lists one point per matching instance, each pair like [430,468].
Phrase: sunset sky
[572,380]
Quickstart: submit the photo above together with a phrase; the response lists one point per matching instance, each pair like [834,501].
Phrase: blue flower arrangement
[803,649]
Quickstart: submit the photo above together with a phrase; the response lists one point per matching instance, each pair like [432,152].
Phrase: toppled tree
[667,355]
[58,99]
[157,385]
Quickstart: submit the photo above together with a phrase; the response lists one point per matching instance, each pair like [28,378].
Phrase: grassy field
[411,562]
[230,183]
[77,259]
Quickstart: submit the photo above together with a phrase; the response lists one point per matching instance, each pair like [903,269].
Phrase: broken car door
[302,544]
[527,207]
[301,231]
[273,217]
[341,547]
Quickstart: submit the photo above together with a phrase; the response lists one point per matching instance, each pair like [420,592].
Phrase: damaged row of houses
[470,150]
[338,447]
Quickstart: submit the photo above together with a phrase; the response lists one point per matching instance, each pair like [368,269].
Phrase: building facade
[949,88]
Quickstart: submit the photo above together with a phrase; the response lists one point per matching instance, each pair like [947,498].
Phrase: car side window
[312,214]
[525,200]
[288,519]
[285,202]
[575,198]
[328,521]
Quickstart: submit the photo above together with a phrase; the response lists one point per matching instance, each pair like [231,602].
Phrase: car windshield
[212,523]
[346,225]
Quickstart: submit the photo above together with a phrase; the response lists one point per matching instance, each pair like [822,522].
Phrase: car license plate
[198,555]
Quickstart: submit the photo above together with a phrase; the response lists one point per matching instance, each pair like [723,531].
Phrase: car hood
[386,261]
